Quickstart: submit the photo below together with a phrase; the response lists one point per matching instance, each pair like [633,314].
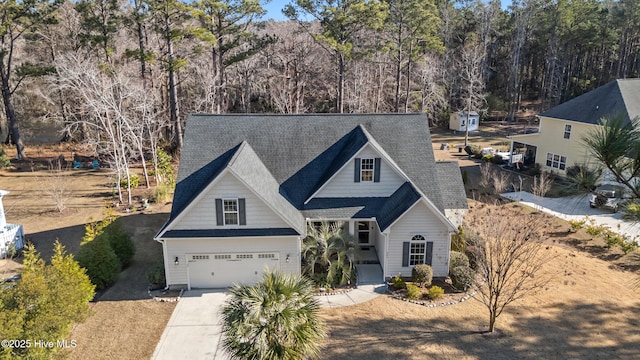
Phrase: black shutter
[376,170]
[241,212]
[356,172]
[429,254]
[219,219]
[405,253]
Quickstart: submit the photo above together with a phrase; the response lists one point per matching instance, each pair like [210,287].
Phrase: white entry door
[364,233]
[223,270]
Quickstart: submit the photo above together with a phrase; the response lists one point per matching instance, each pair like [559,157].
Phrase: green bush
[101,262]
[413,292]
[156,276]
[457,259]
[458,241]
[133,178]
[462,277]
[632,211]
[435,292]
[487,158]
[476,150]
[120,242]
[4,160]
[398,282]
[422,274]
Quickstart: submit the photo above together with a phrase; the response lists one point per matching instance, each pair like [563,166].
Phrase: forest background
[125,74]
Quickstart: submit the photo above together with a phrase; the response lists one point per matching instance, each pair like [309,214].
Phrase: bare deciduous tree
[541,184]
[512,256]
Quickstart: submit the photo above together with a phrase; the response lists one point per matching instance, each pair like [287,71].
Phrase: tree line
[123,75]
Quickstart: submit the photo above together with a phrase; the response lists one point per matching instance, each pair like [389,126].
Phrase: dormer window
[367,170]
[230,211]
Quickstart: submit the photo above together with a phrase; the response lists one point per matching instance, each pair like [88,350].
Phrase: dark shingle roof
[450,181]
[399,202]
[246,165]
[619,97]
[239,232]
[289,144]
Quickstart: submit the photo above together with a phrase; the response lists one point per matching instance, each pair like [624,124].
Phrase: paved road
[577,208]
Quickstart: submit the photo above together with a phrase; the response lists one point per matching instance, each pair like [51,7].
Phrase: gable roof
[299,150]
[450,181]
[618,97]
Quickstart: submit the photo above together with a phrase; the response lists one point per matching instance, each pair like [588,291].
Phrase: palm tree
[276,318]
[331,250]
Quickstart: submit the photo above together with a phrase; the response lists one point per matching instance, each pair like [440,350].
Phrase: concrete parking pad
[577,208]
[194,330]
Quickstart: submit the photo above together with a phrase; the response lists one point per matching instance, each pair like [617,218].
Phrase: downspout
[386,255]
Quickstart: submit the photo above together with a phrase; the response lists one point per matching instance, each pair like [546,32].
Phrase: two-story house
[558,142]
[249,185]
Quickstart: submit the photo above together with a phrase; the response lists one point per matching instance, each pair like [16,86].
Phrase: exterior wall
[457,119]
[203,214]
[379,244]
[342,184]
[419,220]
[455,215]
[551,140]
[177,274]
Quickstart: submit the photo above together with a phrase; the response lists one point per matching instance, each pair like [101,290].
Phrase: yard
[588,310]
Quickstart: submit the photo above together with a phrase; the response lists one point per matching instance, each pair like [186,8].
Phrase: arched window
[418,250]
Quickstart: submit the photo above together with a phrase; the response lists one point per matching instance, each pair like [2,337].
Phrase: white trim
[424,253]
[268,203]
[430,206]
[237,212]
[376,148]
[372,170]
[193,203]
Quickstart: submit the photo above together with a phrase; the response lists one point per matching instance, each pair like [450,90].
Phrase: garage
[223,270]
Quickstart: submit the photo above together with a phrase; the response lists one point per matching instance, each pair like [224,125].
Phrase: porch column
[352,227]
[511,153]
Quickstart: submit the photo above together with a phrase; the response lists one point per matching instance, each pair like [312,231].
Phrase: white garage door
[223,270]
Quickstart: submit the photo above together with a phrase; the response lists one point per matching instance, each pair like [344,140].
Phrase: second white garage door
[223,270]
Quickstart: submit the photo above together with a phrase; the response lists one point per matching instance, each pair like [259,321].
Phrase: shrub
[458,241]
[576,224]
[101,262]
[422,274]
[487,158]
[398,282]
[413,292]
[120,242]
[458,259]
[632,211]
[133,178]
[462,277]
[162,193]
[4,161]
[156,276]
[435,292]
[476,150]
[474,255]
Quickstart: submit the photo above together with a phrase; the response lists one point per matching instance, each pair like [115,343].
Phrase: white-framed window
[567,131]
[556,161]
[366,169]
[417,250]
[230,211]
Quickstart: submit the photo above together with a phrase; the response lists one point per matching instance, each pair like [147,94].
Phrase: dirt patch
[588,310]
[125,322]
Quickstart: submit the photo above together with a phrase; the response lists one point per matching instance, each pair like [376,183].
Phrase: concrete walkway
[577,208]
[194,330]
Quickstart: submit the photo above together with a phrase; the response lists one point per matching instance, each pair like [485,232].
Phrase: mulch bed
[451,295]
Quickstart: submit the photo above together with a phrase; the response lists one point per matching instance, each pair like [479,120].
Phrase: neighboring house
[248,186]
[458,121]
[558,142]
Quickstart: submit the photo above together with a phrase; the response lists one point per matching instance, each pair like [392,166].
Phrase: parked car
[609,196]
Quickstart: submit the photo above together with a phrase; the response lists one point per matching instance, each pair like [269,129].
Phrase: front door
[364,233]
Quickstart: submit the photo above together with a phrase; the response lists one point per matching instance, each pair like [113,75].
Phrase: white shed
[10,234]
[458,121]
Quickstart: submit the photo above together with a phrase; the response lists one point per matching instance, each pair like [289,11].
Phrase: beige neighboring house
[558,143]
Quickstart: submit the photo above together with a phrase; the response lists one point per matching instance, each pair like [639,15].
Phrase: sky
[274,9]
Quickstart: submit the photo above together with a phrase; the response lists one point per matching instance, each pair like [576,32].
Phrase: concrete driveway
[194,330]
[577,208]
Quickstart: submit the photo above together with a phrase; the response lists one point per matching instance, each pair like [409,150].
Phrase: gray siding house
[248,185]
